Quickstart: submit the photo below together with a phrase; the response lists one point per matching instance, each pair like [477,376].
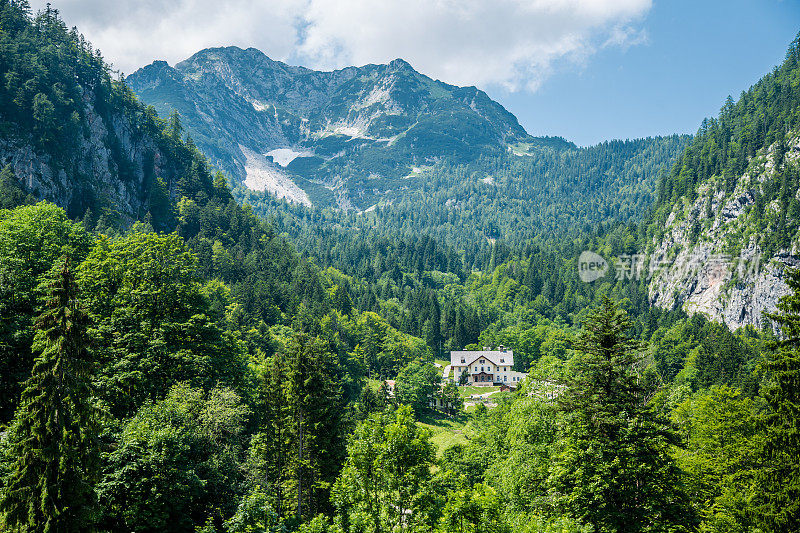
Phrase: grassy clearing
[445,432]
[468,391]
[442,362]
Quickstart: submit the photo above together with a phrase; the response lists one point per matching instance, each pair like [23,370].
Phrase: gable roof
[497,357]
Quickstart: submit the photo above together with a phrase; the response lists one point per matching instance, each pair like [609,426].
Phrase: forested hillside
[194,372]
[732,199]
[556,192]
[72,134]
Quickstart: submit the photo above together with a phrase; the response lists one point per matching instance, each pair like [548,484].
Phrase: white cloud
[468,42]
[512,43]
[133,33]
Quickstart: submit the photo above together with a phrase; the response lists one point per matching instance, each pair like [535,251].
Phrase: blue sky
[696,53]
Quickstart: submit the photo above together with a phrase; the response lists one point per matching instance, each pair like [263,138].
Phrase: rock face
[358,130]
[707,262]
[111,169]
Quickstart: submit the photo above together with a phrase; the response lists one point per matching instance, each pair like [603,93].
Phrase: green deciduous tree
[720,432]
[382,485]
[417,384]
[255,514]
[451,398]
[152,321]
[476,510]
[176,463]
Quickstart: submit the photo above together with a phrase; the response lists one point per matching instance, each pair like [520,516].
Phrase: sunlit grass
[446,432]
[468,391]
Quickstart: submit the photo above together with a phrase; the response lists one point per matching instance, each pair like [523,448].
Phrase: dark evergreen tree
[271,447]
[52,449]
[777,488]
[314,395]
[613,469]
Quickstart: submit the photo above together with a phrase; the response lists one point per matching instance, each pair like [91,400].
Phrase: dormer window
[502,360]
[462,360]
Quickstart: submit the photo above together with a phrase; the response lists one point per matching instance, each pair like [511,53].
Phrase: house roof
[500,356]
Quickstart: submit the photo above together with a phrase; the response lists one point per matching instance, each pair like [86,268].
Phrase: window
[502,360]
[481,369]
[476,369]
[481,361]
[505,378]
[462,360]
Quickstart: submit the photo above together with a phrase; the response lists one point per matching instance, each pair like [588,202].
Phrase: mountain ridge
[374,122]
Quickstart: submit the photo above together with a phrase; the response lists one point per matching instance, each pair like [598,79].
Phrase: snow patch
[261,175]
[488,180]
[284,156]
[258,106]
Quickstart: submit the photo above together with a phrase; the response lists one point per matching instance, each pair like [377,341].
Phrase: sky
[587,70]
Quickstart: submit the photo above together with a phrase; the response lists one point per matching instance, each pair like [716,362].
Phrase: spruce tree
[51,454]
[316,405]
[777,487]
[612,468]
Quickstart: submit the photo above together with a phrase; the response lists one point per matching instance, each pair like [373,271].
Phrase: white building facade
[485,367]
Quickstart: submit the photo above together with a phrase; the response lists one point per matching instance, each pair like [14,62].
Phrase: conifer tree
[52,454]
[777,487]
[271,447]
[314,395]
[612,468]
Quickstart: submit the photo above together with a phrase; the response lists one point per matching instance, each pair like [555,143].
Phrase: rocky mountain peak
[400,64]
[375,121]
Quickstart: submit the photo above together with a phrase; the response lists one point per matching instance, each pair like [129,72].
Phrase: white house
[486,367]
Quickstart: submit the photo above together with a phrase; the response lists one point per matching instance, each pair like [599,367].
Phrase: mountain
[71,134]
[727,218]
[347,137]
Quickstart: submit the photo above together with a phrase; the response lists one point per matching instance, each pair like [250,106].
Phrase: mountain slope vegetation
[732,200]
[75,136]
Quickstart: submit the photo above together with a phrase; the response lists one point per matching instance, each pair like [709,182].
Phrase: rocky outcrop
[700,263]
[111,166]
